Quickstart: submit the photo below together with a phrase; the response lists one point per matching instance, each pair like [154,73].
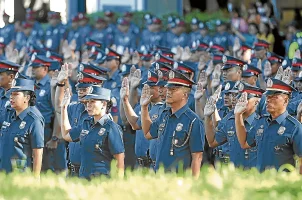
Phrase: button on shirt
[277,140]
[227,132]
[186,140]
[19,135]
[99,142]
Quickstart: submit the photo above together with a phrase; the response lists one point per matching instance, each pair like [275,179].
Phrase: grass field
[223,183]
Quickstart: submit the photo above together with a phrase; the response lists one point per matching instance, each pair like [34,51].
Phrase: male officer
[195,32]
[277,135]
[133,27]
[112,63]
[8,31]
[261,49]
[101,33]
[153,35]
[275,62]
[296,67]
[54,33]
[84,26]
[179,130]
[142,151]
[177,36]
[8,71]
[226,132]
[40,67]
[250,74]
[124,37]
[26,37]
[74,33]
[30,18]
[222,37]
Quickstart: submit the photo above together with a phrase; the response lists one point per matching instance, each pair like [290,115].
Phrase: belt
[75,168]
[144,161]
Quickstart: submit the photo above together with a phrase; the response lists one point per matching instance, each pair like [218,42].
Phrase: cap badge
[241,87]
[281,130]
[171,75]
[80,76]
[269,83]
[81,68]
[175,65]
[224,59]
[245,67]
[160,74]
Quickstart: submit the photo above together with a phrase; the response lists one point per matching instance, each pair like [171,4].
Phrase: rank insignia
[281,130]
[42,93]
[102,131]
[113,85]
[154,117]
[179,127]
[259,132]
[22,125]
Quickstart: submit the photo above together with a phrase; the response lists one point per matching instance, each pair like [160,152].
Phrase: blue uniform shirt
[74,34]
[8,33]
[102,36]
[19,135]
[4,99]
[43,99]
[76,115]
[23,41]
[194,36]
[222,39]
[99,142]
[227,132]
[173,40]
[187,132]
[277,141]
[53,37]
[124,40]
[149,38]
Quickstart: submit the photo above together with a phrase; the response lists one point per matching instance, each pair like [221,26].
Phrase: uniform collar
[281,117]
[115,74]
[22,115]
[104,119]
[44,80]
[180,111]
[251,118]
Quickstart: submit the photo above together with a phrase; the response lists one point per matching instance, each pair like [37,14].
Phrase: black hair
[255,25]
[109,106]
[32,100]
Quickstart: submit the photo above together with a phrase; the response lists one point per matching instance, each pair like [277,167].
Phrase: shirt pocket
[231,135]
[181,137]
[280,143]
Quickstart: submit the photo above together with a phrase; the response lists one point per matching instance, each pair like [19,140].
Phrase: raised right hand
[146,96]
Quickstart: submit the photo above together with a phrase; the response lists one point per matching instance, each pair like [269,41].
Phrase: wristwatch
[61,84]
[54,138]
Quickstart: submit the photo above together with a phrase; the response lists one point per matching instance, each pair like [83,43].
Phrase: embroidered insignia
[102,131]
[179,127]
[259,132]
[231,133]
[22,125]
[42,93]
[154,117]
[281,130]
[113,85]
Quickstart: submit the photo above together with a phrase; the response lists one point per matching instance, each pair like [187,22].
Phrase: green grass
[225,182]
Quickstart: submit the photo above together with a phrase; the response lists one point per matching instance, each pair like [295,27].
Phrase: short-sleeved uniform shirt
[99,142]
[240,157]
[186,131]
[19,135]
[277,141]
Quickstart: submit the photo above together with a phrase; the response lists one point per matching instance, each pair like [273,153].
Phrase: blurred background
[283,10]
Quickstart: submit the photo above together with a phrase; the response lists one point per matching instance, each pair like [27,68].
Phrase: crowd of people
[74,97]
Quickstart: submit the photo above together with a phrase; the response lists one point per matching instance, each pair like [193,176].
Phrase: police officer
[22,139]
[101,33]
[40,67]
[88,75]
[143,152]
[222,37]
[84,26]
[133,27]
[7,33]
[54,33]
[74,33]
[112,63]
[8,71]
[26,37]
[277,135]
[100,138]
[153,35]
[227,132]
[250,74]
[124,37]
[178,129]
[177,36]
[275,62]
[261,49]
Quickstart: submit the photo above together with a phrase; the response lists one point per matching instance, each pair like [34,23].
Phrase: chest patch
[42,93]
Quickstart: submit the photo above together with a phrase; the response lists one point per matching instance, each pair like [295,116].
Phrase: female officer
[22,131]
[100,138]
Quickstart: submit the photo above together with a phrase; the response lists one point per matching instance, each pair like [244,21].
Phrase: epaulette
[73,103]
[34,115]
[191,115]
[293,120]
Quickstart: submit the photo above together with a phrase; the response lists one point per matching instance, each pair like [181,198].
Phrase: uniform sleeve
[197,137]
[37,134]
[297,140]
[154,128]
[251,136]
[75,133]
[115,140]
[221,135]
